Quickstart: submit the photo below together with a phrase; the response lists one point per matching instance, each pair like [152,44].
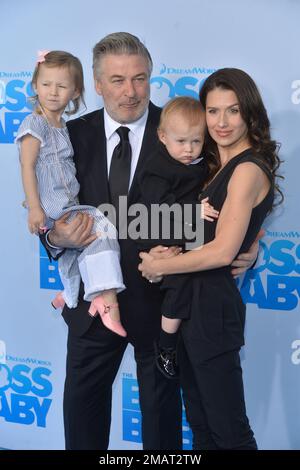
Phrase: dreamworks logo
[185,71]
[10,82]
[295,96]
[174,81]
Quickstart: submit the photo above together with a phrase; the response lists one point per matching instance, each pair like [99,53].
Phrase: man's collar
[110,125]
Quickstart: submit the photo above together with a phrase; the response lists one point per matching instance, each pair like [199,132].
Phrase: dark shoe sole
[162,370]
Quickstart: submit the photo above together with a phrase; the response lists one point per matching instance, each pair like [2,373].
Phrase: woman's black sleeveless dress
[211,375]
[217,316]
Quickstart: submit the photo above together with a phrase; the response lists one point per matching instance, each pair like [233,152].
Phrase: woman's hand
[164,252]
[157,253]
[148,267]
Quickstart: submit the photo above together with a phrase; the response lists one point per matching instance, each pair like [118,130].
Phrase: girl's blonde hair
[63,59]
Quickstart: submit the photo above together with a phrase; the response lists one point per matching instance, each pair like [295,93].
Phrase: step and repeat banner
[188,41]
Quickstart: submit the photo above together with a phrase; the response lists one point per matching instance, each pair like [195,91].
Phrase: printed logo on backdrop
[49,275]
[25,390]
[15,88]
[174,81]
[132,414]
[295,356]
[274,283]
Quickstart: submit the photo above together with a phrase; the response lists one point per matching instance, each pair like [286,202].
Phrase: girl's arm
[29,151]
[247,187]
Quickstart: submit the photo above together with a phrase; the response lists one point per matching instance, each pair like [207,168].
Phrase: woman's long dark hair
[254,115]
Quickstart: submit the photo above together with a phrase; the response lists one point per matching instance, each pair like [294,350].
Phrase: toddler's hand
[207,211]
[36,220]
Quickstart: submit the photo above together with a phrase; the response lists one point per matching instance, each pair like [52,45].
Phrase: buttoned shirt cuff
[54,250]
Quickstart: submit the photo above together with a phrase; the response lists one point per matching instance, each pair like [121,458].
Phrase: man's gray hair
[119,43]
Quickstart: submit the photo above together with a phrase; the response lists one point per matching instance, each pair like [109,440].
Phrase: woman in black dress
[242,162]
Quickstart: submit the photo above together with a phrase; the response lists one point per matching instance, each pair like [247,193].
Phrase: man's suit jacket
[141,301]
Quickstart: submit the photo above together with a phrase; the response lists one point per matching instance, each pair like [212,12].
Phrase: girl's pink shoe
[98,306]
[58,302]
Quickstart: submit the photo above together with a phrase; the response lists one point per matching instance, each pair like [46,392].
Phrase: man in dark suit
[122,67]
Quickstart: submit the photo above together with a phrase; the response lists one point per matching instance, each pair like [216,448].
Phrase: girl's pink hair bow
[41,56]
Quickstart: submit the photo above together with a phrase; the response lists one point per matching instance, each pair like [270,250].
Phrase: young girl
[175,174]
[51,188]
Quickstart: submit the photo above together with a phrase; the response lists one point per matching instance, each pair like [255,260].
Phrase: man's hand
[245,260]
[74,234]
